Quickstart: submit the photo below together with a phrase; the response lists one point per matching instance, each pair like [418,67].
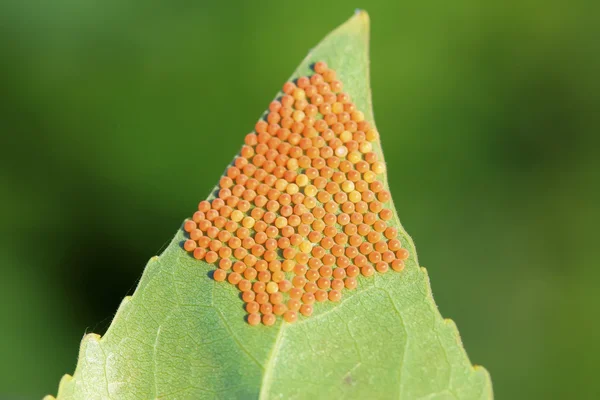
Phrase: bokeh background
[118,116]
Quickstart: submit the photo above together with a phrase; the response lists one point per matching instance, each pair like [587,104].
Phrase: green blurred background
[119,116]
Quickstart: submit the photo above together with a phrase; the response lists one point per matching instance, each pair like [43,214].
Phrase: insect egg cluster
[302,212]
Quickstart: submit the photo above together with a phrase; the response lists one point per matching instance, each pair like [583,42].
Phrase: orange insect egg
[337,250]
[325,271]
[328,259]
[293,221]
[311,110]
[250,261]
[312,275]
[341,238]
[266,308]
[318,225]
[366,148]
[234,278]
[254,318]
[314,236]
[373,237]
[342,262]
[366,248]
[320,295]
[211,257]
[295,293]
[352,271]
[372,134]
[386,214]
[350,126]
[275,297]
[367,271]
[343,219]
[334,295]
[197,217]
[329,219]
[336,86]
[314,263]
[244,285]
[279,309]
[240,253]
[290,316]
[288,87]
[382,267]
[189,245]
[295,240]
[225,263]
[268,319]
[376,186]
[301,104]
[350,108]
[324,89]
[375,257]
[199,253]
[272,231]
[258,287]
[328,74]
[397,265]
[318,251]
[329,98]
[370,218]
[271,287]
[309,202]
[360,261]
[189,226]
[355,240]
[302,258]
[303,81]
[219,275]
[249,273]
[241,268]
[311,287]
[350,283]
[204,206]
[196,234]
[317,163]
[285,286]
[379,226]
[331,207]
[343,117]
[337,284]
[248,296]
[262,297]
[300,270]
[350,229]
[320,67]
[204,242]
[306,310]
[308,298]
[324,283]
[402,254]
[298,281]
[375,206]
[351,252]
[212,232]
[388,256]
[320,183]
[394,245]
[339,273]
[330,232]
[317,100]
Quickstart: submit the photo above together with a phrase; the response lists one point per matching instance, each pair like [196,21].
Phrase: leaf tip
[360,20]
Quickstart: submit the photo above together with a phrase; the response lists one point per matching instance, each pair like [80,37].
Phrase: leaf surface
[183,335]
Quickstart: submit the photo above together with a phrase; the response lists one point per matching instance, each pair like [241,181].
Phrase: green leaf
[183,335]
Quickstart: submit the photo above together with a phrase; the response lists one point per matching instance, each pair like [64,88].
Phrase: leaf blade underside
[183,335]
